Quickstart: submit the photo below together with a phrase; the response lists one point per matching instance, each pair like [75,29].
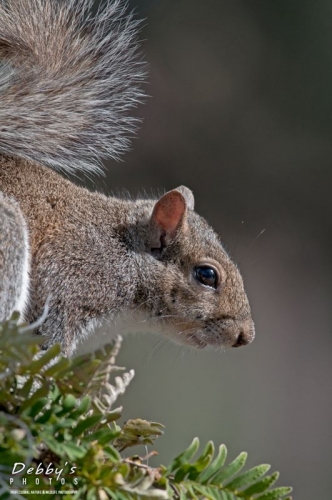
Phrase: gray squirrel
[68,79]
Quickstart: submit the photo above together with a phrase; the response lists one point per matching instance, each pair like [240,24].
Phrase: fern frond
[208,478]
[56,411]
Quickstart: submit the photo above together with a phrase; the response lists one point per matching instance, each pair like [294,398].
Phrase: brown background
[240,111]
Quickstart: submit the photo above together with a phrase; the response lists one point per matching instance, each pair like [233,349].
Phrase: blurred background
[241,112]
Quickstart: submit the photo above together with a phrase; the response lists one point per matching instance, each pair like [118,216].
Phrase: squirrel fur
[68,80]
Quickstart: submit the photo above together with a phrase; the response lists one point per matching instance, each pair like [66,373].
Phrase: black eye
[207,276]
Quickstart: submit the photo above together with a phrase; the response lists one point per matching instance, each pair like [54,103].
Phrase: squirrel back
[68,80]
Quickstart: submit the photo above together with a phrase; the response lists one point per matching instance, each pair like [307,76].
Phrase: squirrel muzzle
[246,333]
[224,332]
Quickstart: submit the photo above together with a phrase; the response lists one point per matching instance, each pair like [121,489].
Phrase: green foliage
[57,422]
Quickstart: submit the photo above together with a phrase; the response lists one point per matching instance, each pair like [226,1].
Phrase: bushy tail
[68,79]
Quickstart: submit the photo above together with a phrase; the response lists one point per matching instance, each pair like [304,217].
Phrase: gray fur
[93,257]
[67,84]
[14,259]
[68,81]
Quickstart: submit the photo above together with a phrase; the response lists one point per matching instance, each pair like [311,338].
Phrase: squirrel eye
[207,276]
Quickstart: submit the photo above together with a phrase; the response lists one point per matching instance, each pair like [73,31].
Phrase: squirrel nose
[246,335]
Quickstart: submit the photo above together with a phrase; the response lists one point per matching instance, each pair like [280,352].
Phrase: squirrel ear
[169,210]
[188,196]
[167,216]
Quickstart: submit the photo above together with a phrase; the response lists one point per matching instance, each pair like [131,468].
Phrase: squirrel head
[187,280]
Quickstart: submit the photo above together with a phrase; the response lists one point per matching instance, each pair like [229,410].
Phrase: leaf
[136,432]
[215,466]
[202,462]
[65,407]
[82,408]
[208,492]
[275,494]
[191,490]
[63,423]
[227,495]
[248,477]
[40,393]
[45,417]
[103,436]
[55,369]
[74,451]
[37,407]
[52,443]
[113,415]
[51,353]
[92,494]
[139,427]
[231,469]
[85,424]
[112,453]
[184,456]
[65,420]
[260,486]
[192,471]
[25,391]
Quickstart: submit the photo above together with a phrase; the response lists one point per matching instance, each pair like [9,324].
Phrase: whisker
[163,341]
[255,239]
